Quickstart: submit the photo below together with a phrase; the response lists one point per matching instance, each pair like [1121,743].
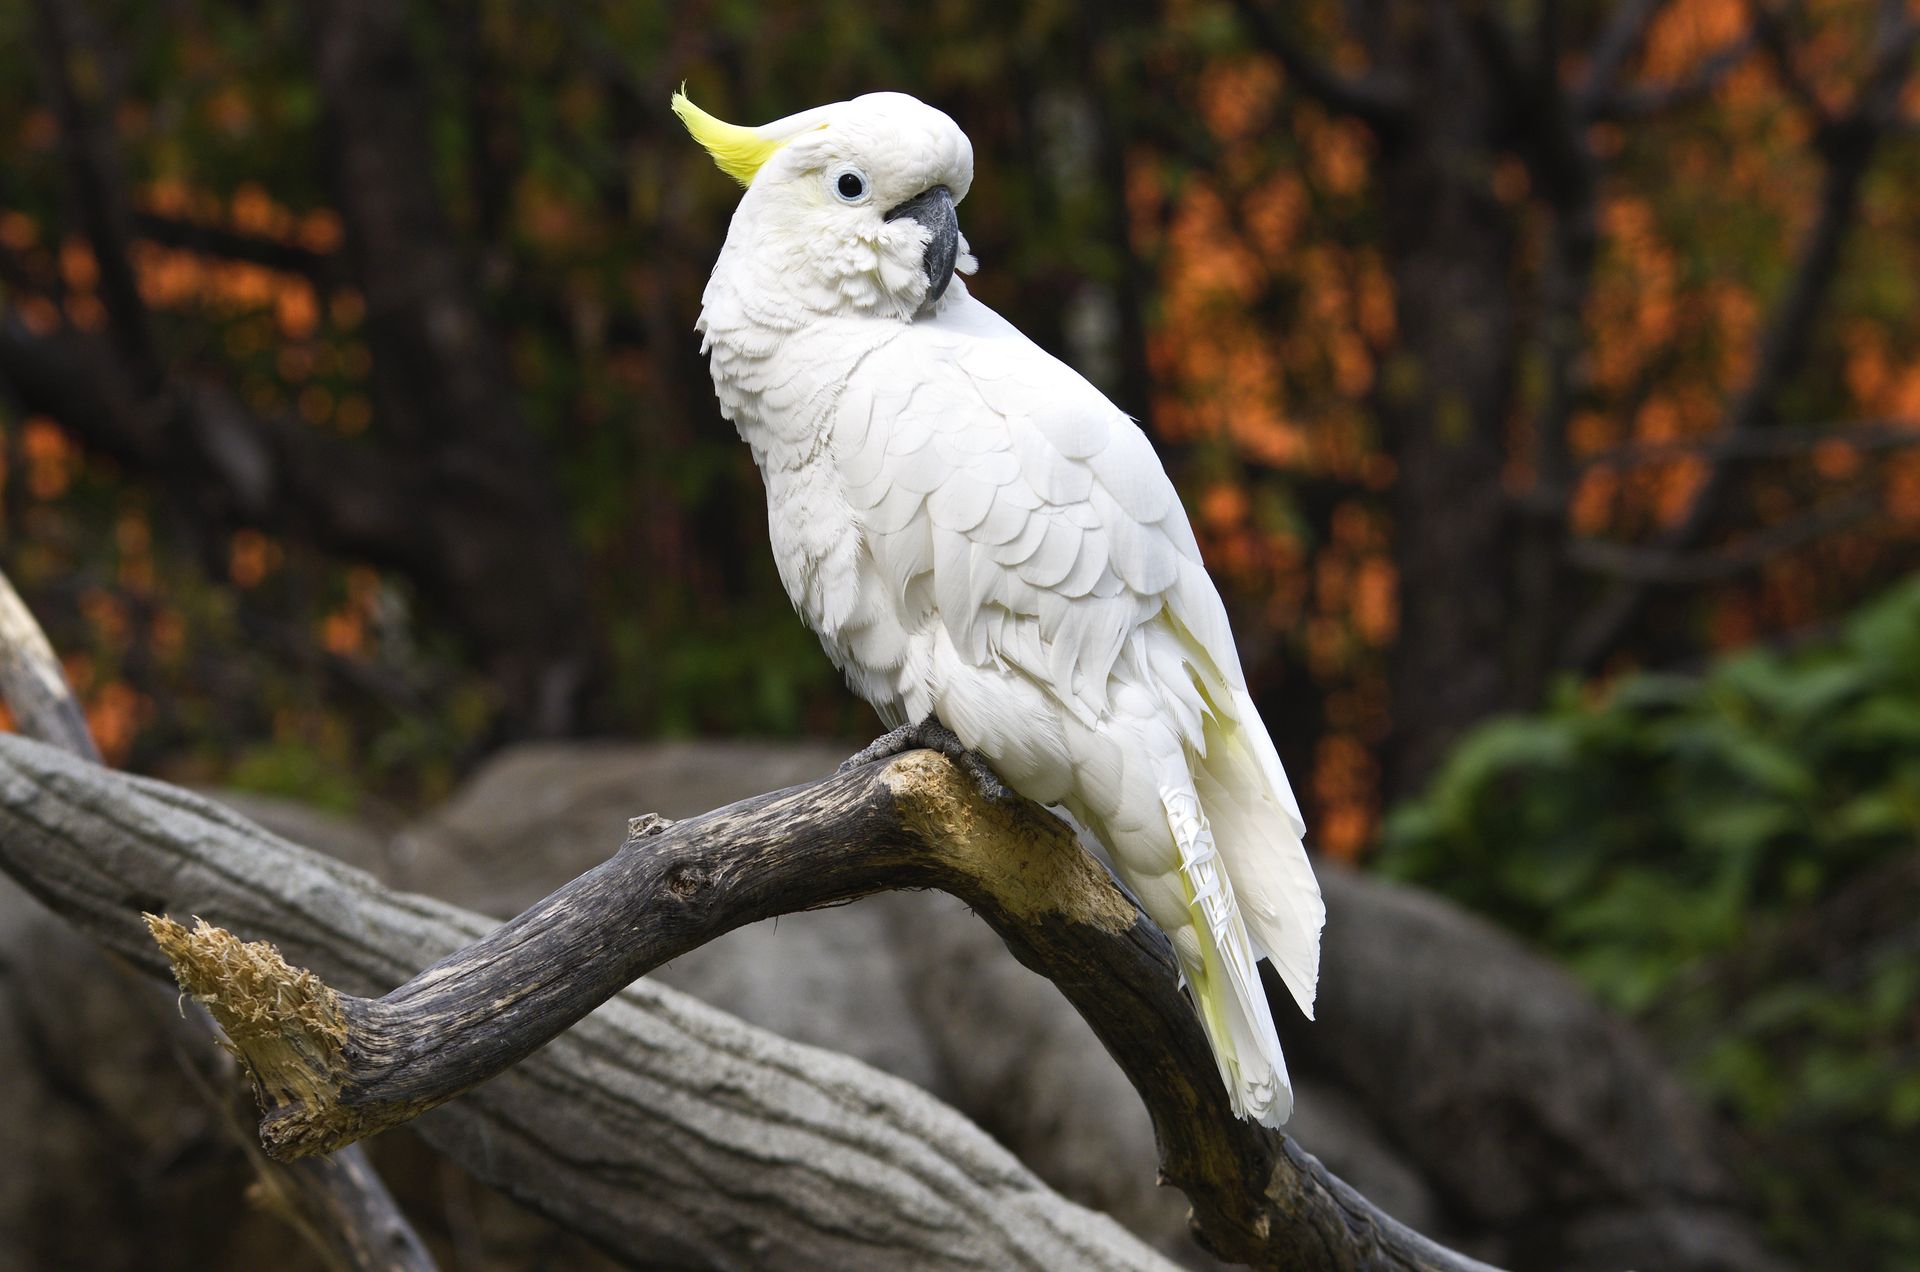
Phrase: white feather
[971,527]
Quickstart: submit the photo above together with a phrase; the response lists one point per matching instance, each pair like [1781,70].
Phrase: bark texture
[668,1133]
[1586,1158]
[337,1203]
[1257,1197]
[32,685]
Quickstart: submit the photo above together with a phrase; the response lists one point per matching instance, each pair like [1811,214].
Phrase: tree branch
[232,466]
[1638,101]
[33,685]
[1371,98]
[337,1203]
[1617,44]
[93,169]
[338,1068]
[441,379]
[1848,144]
[473,519]
[1773,443]
[322,269]
[1650,567]
[1770,29]
[654,1124]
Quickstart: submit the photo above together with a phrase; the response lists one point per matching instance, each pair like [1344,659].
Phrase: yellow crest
[738,151]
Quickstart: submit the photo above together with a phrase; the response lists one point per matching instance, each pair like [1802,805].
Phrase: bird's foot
[932,735]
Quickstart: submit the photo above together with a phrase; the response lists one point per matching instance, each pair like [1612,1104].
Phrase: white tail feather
[1233,1005]
[1247,801]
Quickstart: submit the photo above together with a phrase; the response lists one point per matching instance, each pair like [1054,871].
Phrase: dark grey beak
[934,209]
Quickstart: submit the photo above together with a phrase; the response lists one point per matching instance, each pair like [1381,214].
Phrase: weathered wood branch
[656,1124]
[336,1068]
[337,1203]
[32,684]
[672,1135]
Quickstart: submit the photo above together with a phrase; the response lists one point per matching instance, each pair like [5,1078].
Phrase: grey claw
[985,780]
[935,736]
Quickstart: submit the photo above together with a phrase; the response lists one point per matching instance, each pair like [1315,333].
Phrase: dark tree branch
[440,374]
[327,271]
[32,684]
[1639,101]
[1549,133]
[334,1068]
[473,518]
[1602,96]
[93,168]
[1372,99]
[100,847]
[323,269]
[676,1136]
[337,1203]
[1848,144]
[669,1133]
[232,466]
[1516,77]
[1770,29]
[1618,43]
[1773,443]
[1652,568]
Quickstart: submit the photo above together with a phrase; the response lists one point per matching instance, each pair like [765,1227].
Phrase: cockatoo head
[848,206]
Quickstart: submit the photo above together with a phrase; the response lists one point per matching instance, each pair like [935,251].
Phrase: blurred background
[1542,378]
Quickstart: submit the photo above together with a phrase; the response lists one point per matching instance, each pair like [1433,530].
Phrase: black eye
[850,185]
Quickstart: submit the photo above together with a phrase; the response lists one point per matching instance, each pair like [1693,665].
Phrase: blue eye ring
[849,185]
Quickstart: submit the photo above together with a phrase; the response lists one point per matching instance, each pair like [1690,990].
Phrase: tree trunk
[1444,398]
[505,563]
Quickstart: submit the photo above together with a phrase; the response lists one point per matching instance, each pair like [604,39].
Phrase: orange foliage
[133,537]
[1902,488]
[251,556]
[1345,784]
[41,316]
[320,231]
[176,278]
[115,714]
[1593,498]
[86,312]
[18,231]
[1338,153]
[1376,601]
[52,460]
[1237,96]
[77,265]
[343,632]
[1687,32]
[1836,459]
[1224,505]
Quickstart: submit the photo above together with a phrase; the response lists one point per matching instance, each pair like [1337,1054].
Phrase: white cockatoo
[983,542]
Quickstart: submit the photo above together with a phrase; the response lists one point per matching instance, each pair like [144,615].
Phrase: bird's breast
[783,395]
